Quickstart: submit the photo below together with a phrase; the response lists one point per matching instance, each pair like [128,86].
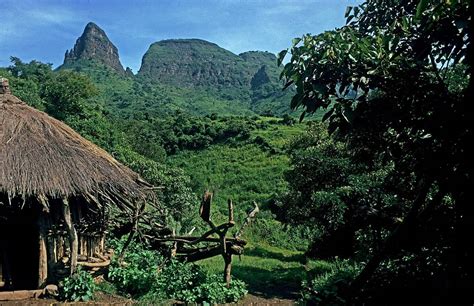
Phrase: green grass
[269,271]
[241,171]
[279,135]
[272,266]
[244,174]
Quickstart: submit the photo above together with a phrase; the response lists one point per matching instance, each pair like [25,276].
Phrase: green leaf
[348,11]
[320,88]
[356,11]
[295,101]
[288,84]
[295,41]
[421,7]
[328,114]
[302,116]
[281,56]
[348,114]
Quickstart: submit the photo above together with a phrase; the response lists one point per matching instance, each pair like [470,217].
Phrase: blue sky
[44,29]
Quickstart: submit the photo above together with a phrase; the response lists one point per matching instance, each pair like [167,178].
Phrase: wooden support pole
[174,249]
[205,209]
[248,220]
[101,264]
[133,231]
[227,268]
[231,211]
[73,241]
[202,254]
[190,255]
[43,251]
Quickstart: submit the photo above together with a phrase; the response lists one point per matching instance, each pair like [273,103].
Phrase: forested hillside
[191,75]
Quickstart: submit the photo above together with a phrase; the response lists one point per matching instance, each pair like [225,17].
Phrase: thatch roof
[44,158]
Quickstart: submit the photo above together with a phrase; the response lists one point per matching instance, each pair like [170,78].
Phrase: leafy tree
[344,200]
[67,93]
[387,79]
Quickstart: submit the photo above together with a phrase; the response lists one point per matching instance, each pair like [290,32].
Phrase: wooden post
[73,241]
[43,251]
[138,211]
[227,268]
[174,249]
[205,209]
[231,210]
[226,247]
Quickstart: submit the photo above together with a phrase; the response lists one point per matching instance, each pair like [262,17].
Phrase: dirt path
[251,299]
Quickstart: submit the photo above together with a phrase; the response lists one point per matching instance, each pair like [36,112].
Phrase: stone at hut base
[50,291]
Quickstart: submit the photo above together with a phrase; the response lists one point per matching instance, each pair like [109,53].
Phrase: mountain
[195,62]
[94,45]
[191,62]
[251,77]
[191,75]
[199,63]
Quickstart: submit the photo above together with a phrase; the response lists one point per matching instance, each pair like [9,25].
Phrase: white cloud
[50,15]
[19,22]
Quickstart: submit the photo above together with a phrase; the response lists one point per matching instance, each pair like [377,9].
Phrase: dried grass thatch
[44,158]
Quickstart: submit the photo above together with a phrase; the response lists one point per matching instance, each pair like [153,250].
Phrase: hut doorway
[19,252]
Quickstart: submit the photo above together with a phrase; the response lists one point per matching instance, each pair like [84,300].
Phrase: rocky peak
[262,57]
[260,78]
[95,45]
[192,62]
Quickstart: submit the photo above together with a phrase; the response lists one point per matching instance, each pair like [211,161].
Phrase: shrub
[78,287]
[177,280]
[187,283]
[215,291]
[138,272]
[330,287]
[150,277]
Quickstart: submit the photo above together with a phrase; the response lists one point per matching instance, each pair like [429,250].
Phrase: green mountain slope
[189,75]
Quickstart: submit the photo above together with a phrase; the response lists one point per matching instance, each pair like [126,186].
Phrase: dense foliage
[150,277]
[158,137]
[396,83]
[349,205]
[325,287]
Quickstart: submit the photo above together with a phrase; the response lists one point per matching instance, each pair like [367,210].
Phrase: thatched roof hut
[55,188]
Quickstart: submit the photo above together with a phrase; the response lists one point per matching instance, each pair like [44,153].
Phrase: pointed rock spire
[95,45]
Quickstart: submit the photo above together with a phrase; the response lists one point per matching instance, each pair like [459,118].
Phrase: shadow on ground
[281,283]
[264,253]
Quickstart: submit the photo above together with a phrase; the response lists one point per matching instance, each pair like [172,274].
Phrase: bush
[138,272]
[177,280]
[215,291]
[187,283]
[150,277]
[78,287]
[330,287]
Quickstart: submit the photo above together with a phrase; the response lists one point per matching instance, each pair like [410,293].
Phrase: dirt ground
[102,299]
[107,299]
[254,300]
